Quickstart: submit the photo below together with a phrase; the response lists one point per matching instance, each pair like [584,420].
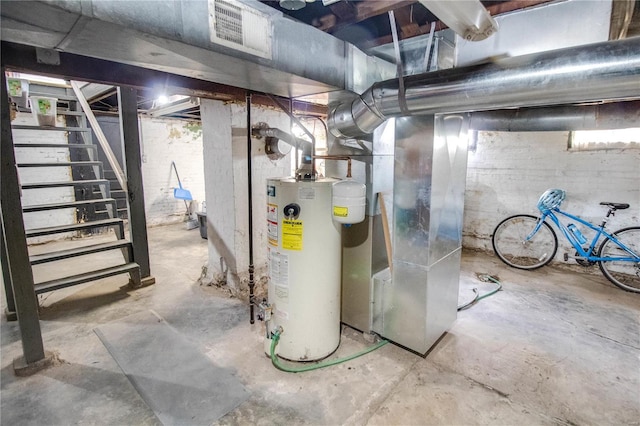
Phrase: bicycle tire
[625,275]
[509,243]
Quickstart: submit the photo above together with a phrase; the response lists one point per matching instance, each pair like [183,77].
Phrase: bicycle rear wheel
[511,246]
[625,275]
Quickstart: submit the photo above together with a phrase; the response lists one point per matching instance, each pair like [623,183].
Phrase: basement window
[591,140]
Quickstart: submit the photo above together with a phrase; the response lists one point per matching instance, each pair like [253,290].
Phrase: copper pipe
[335,157]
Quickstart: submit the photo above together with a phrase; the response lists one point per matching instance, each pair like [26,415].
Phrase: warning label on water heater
[272,224]
[279,268]
[292,234]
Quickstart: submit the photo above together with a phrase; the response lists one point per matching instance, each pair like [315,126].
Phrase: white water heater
[304,244]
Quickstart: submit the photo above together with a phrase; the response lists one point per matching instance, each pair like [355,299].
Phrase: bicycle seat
[615,206]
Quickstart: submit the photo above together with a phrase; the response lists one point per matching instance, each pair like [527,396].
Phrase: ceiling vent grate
[235,25]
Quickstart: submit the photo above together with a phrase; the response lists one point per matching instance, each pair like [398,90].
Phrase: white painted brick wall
[163,141]
[226,173]
[509,171]
[262,168]
[218,160]
[49,174]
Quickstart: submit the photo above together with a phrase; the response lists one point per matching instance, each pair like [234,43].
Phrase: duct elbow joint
[355,119]
[341,122]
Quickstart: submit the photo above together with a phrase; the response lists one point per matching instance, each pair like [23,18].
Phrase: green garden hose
[276,362]
[477,295]
[275,338]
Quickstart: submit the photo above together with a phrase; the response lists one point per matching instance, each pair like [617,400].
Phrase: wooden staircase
[95,207]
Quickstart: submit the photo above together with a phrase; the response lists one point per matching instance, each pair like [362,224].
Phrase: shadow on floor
[82,303]
[95,392]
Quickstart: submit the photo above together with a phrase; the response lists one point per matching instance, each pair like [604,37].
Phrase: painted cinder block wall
[508,171]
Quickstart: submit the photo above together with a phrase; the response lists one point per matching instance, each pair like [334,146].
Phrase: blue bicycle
[529,242]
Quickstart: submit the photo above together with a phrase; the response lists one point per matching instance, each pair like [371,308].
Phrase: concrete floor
[554,347]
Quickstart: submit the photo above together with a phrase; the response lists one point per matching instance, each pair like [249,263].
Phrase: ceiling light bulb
[292,4]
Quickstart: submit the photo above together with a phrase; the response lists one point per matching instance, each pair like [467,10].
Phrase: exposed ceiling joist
[621,17]
[510,6]
[363,10]
[344,10]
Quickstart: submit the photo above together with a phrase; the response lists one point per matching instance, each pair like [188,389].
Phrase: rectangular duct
[417,302]
[422,160]
[239,43]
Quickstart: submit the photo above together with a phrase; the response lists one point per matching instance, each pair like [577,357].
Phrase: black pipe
[250,209]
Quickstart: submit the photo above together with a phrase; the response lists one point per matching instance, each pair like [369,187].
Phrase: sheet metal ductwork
[241,43]
[618,115]
[595,72]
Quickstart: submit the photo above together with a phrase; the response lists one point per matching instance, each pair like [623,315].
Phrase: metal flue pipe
[595,72]
[306,169]
[288,138]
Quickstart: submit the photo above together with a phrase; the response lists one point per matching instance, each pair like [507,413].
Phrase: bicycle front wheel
[624,274]
[510,242]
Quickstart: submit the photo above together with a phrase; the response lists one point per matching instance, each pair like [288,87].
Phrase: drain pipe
[250,210]
[595,72]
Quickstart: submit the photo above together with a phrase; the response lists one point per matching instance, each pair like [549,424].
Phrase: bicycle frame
[600,232]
